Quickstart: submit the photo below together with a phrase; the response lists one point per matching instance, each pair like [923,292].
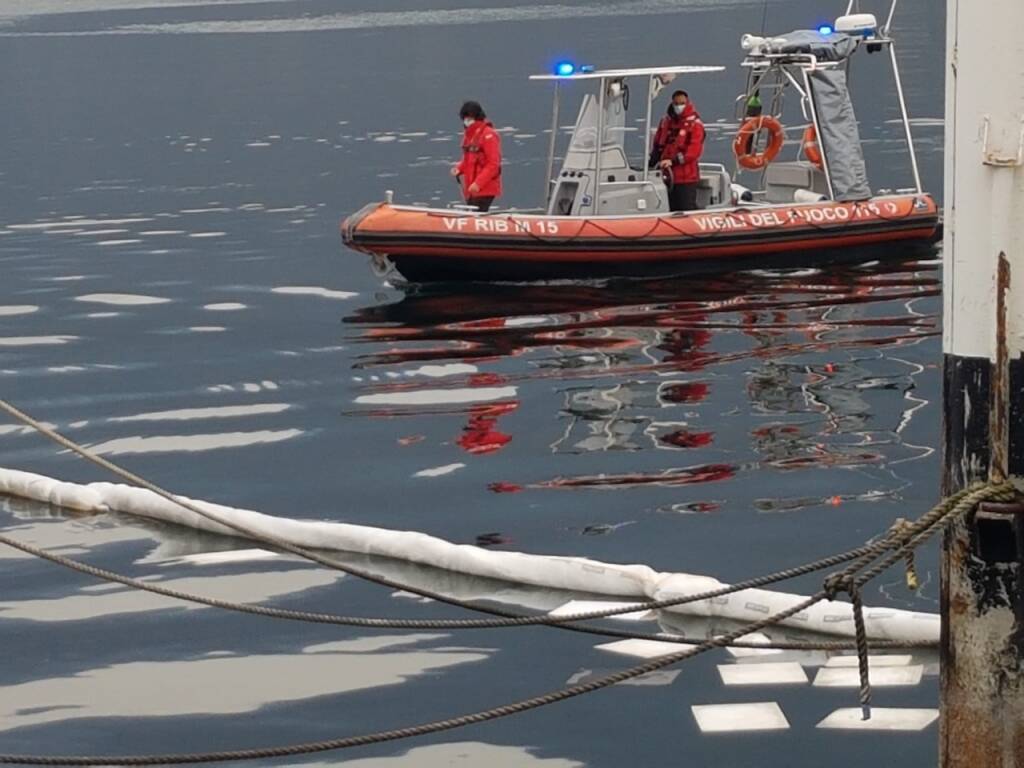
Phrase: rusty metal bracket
[1001,508]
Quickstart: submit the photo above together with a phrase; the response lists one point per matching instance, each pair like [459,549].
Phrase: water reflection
[465,753]
[651,368]
[122,690]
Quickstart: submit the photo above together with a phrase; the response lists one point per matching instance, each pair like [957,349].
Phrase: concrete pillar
[982,723]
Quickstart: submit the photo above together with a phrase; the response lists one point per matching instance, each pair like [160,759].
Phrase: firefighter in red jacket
[677,148]
[480,167]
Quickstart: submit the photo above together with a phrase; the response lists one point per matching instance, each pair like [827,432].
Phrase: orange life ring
[743,146]
[812,150]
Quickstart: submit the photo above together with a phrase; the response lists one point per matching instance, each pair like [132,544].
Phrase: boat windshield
[586,124]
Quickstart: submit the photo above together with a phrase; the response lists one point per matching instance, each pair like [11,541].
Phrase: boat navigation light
[564,68]
[825,29]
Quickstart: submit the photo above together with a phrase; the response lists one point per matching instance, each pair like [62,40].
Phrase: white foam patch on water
[525,322]
[780,673]
[17,309]
[161,232]
[207,328]
[447,469]
[98,315]
[118,242]
[227,306]
[642,649]
[439,396]
[207,234]
[18,429]
[882,719]
[95,232]
[725,718]
[122,299]
[45,225]
[873,661]
[221,412]
[192,443]
[849,677]
[258,144]
[229,556]
[34,341]
[313,290]
[65,369]
[462,754]
[440,371]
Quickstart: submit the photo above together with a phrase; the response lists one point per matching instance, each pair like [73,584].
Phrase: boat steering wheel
[668,178]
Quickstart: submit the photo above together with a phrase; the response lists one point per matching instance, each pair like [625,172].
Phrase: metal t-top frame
[761,63]
[604,77]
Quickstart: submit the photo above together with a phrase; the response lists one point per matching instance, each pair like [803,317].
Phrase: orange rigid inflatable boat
[439,244]
[607,214]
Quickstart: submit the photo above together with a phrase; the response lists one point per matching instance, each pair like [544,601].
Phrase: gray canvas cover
[834,47]
[839,138]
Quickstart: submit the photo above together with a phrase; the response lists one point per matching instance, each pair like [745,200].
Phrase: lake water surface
[174,294]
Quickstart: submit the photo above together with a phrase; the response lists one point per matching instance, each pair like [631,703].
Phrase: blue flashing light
[564,68]
[825,29]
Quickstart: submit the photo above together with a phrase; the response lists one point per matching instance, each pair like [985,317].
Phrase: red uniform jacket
[481,160]
[681,138]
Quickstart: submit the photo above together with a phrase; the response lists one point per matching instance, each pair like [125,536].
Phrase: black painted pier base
[982,572]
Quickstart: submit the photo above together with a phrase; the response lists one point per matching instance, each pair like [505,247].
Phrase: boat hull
[434,244]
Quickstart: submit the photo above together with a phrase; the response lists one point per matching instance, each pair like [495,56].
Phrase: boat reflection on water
[814,364]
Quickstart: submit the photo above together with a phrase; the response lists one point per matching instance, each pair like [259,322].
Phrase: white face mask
[468,121]
[679,108]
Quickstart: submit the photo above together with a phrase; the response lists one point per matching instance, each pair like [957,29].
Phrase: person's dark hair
[668,110]
[472,109]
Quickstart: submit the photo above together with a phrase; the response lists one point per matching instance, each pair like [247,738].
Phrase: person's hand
[665,164]
[474,188]
[455,170]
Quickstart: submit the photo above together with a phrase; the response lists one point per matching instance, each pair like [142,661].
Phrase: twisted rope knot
[834,583]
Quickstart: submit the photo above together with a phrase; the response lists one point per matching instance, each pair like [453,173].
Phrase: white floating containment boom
[575,574]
